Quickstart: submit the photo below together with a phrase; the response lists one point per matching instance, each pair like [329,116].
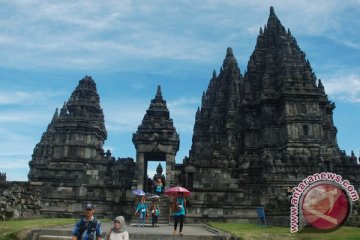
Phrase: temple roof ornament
[157,124]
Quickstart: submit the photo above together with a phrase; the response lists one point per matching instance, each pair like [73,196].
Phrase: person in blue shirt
[87,228]
[159,186]
[179,212]
[141,210]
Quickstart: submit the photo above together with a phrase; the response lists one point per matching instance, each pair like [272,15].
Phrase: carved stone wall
[19,200]
[259,133]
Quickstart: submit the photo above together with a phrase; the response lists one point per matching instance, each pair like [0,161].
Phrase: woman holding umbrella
[180,205]
[180,212]
[141,210]
[138,194]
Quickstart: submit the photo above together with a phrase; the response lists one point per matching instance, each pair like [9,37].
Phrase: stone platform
[163,232]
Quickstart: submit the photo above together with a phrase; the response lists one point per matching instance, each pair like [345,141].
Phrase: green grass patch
[10,228]
[253,232]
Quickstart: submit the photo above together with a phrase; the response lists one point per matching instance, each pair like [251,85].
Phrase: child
[155,212]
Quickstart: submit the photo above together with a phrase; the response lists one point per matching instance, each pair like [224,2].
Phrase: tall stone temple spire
[283,105]
[73,138]
[214,139]
[69,166]
[264,131]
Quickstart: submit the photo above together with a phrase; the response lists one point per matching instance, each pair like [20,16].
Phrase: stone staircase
[164,205]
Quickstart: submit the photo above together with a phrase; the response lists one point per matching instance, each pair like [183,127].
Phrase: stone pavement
[163,232]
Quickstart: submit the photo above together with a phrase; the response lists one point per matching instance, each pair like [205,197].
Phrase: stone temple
[255,135]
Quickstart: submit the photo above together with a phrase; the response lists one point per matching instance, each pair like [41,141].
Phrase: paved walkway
[194,230]
[163,232]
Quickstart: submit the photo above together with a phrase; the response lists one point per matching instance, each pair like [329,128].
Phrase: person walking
[159,186]
[179,212]
[118,232]
[155,212]
[87,228]
[141,211]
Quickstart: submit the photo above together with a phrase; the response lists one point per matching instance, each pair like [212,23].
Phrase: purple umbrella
[138,192]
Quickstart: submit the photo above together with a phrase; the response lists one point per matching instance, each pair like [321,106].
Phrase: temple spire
[229,52]
[274,25]
[230,62]
[214,74]
[81,117]
[55,116]
[198,113]
[158,95]
[272,11]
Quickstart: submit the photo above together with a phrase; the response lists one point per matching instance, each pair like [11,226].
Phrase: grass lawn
[251,231]
[9,229]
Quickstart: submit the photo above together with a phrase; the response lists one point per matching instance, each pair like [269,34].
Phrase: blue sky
[129,47]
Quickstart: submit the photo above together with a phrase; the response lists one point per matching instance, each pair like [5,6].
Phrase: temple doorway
[156,177]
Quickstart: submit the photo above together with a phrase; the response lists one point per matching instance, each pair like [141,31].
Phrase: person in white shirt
[118,232]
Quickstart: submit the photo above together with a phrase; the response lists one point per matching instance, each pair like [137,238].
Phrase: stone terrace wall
[18,200]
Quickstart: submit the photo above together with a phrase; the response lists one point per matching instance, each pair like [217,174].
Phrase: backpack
[90,227]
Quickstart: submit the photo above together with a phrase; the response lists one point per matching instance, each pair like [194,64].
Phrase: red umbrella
[173,191]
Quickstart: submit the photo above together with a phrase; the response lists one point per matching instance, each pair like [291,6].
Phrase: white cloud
[183,101]
[127,116]
[79,34]
[124,117]
[351,44]
[24,116]
[182,111]
[26,97]
[66,34]
[11,163]
[24,111]
[344,87]
[18,140]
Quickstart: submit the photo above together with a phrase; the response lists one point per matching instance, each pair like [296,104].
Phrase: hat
[89,206]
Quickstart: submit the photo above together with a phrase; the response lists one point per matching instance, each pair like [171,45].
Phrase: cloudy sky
[130,47]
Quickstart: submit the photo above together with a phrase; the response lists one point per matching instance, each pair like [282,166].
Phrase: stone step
[135,222]
[163,232]
[50,237]
[144,237]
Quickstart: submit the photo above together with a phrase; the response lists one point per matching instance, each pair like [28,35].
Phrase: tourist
[155,212]
[159,186]
[179,212]
[88,227]
[118,232]
[141,211]
[136,202]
